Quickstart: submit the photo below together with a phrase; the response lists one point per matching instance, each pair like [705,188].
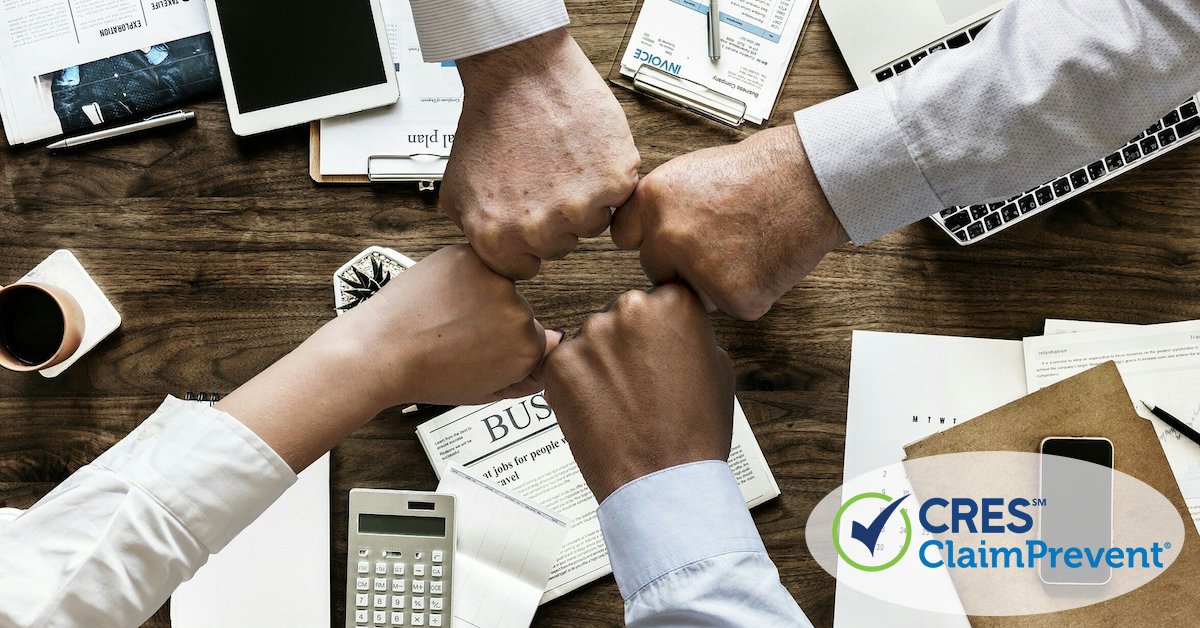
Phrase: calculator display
[401,525]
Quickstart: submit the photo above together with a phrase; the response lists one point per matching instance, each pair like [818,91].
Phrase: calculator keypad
[385,597]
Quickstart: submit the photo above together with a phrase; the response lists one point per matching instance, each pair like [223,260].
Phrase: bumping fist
[447,331]
[643,387]
[542,153]
[742,224]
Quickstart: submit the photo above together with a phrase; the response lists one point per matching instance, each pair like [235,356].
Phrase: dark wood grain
[218,252]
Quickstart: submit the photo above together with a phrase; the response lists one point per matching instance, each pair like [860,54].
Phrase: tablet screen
[286,51]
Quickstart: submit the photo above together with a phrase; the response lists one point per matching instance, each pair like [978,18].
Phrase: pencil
[1180,426]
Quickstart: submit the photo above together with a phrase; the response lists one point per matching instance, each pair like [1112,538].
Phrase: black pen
[1182,427]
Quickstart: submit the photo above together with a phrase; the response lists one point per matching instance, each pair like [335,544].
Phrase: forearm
[316,396]
[685,551]
[1049,86]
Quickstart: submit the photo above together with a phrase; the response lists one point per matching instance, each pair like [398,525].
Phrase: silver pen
[155,121]
[714,31]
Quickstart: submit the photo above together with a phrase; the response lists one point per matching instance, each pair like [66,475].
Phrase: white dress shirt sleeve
[1049,86]
[109,545]
[685,551]
[453,29]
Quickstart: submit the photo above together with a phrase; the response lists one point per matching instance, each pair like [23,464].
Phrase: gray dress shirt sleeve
[1049,86]
[453,29]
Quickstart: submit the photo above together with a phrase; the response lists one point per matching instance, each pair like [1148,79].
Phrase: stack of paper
[904,387]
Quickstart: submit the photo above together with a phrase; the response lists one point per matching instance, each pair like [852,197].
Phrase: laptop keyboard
[968,224]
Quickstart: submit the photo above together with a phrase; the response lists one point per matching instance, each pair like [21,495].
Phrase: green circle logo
[868,534]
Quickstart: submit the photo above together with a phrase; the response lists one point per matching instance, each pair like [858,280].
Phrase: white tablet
[286,62]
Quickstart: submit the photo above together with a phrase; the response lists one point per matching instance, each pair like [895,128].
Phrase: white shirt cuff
[862,160]
[670,519]
[208,470]
[454,29]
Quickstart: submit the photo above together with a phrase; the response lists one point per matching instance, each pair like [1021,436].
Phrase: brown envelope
[1092,403]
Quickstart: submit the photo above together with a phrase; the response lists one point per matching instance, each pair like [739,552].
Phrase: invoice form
[758,38]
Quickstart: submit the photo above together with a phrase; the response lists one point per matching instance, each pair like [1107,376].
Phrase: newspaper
[517,444]
[70,65]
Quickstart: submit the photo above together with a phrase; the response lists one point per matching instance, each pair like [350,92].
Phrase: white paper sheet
[1066,326]
[758,38]
[422,122]
[904,387]
[503,555]
[1159,363]
[275,573]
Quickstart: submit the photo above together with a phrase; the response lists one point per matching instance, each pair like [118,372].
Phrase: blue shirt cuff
[861,159]
[670,519]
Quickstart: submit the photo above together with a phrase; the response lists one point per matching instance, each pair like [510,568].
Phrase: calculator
[399,559]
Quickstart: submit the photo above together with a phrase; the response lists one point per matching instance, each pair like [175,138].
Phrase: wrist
[620,473]
[810,198]
[367,373]
[531,61]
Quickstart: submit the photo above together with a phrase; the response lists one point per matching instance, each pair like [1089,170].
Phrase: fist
[742,224]
[642,388]
[541,155]
[448,331]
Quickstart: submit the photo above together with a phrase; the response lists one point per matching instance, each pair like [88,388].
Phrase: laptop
[881,39]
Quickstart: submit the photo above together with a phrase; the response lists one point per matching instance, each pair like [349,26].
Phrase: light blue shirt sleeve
[1049,86]
[685,551]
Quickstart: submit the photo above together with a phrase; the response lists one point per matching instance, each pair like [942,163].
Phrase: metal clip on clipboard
[425,169]
[689,95]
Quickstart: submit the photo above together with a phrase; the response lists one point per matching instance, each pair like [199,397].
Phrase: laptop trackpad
[955,10]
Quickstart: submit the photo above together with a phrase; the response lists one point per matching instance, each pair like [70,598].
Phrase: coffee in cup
[40,325]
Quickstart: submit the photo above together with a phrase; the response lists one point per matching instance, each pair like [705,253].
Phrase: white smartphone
[286,62]
[1078,505]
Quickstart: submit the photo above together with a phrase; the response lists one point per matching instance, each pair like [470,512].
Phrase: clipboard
[723,107]
[1092,403]
[424,169]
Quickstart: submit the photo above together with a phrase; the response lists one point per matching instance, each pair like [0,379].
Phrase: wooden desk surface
[218,252]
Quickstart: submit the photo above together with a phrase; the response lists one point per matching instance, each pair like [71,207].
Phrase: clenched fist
[542,154]
[642,388]
[742,224]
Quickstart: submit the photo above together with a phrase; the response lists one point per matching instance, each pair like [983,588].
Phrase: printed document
[516,444]
[1159,363]
[413,136]
[904,387]
[69,65]
[503,554]
[758,39]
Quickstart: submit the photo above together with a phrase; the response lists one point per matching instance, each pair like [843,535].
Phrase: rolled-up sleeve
[453,29]
[684,551]
[1047,87]
[109,545]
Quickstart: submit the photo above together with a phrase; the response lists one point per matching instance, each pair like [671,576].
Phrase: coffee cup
[40,326]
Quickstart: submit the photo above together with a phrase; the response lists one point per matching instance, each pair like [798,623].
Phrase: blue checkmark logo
[869,534]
